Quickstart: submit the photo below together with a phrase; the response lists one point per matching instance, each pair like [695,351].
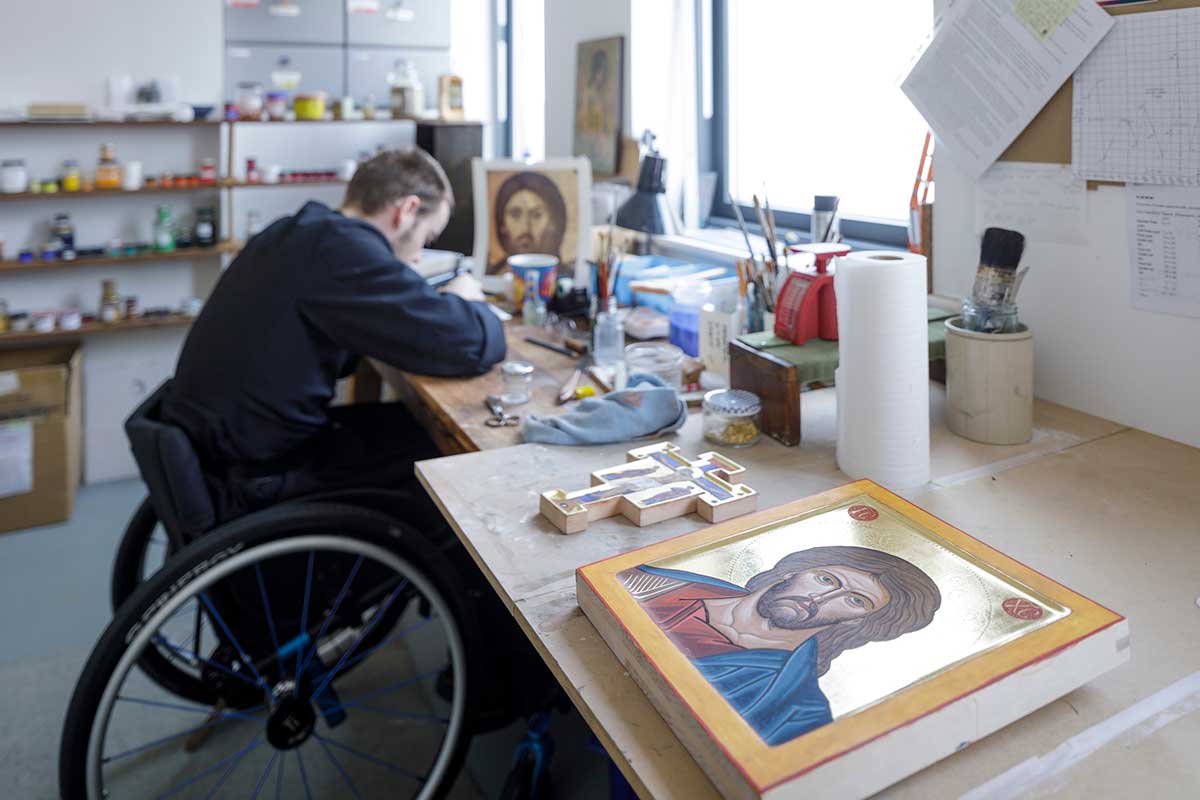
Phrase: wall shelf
[280,184]
[35,339]
[10,267]
[102,123]
[212,187]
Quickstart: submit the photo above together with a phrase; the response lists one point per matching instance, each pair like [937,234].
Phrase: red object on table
[807,305]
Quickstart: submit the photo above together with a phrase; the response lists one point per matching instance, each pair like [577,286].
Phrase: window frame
[713,141]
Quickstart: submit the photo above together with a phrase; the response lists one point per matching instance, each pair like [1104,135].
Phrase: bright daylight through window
[815,105]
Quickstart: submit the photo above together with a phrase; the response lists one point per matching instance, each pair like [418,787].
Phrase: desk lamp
[646,210]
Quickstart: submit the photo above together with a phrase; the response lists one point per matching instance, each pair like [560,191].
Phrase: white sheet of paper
[715,328]
[1136,99]
[16,457]
[1164,248]
[1046,202]
[986,74]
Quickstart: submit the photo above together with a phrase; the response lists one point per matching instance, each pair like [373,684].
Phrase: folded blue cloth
[645,407]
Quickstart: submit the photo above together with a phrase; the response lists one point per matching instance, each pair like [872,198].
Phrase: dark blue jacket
[293,313]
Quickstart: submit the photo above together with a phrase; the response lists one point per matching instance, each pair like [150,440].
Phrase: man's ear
[410,205]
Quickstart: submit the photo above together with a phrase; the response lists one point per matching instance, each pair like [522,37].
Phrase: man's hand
[466,287]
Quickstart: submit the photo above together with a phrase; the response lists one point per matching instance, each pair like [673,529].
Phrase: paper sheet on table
[1164,248]
[1136,101]
[16,457]
[988,71]
[1043,201]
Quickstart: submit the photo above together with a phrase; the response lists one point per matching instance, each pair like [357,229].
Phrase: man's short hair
[395,174]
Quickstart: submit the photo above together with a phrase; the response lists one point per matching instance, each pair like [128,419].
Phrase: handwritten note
[1043,201]
[1164,248]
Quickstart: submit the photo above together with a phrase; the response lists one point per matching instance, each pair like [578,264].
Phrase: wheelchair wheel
[142,551]
[305,697]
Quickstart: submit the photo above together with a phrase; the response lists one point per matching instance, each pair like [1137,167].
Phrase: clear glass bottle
[608,337]
[533,310]
[164,231]
[108,169]
[110,302]
[253,223]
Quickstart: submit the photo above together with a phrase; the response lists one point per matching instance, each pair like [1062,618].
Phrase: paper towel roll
[883,372]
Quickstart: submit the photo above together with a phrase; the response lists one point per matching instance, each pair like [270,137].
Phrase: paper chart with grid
[1136,114]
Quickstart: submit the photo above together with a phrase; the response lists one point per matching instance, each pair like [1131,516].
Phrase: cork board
[1047,139]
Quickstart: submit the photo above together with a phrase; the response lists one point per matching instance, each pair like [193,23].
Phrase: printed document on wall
[992,65]
[1164,248]
[1137,102]
[1045,202]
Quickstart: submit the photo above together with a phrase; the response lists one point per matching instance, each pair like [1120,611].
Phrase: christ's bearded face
[821,596]
[525,224]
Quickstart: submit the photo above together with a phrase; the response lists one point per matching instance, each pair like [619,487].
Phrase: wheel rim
[261,749]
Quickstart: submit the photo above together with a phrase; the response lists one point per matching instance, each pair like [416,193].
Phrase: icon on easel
[656,483]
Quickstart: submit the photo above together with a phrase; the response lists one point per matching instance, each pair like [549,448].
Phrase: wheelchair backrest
[171,470]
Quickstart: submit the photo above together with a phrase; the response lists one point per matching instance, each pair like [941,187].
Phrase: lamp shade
[647,210]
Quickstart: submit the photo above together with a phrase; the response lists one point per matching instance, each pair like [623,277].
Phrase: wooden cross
[655,483]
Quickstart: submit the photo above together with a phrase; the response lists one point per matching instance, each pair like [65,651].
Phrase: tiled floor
[54,604]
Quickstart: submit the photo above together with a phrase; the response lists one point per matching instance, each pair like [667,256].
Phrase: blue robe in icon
[776,691]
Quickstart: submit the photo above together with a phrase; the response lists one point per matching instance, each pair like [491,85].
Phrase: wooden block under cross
[655,483]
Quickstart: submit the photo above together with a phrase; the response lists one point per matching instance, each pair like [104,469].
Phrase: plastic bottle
[608,342]
[687,301]
[164,231]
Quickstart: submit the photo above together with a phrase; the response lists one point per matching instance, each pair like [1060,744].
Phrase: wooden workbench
[1109,511]
[452,410]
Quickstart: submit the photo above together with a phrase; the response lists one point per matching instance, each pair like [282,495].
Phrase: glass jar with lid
[518,382]
[732,417]
[110,302]
[249,100]
[108,169]
[14,177]
[72,176]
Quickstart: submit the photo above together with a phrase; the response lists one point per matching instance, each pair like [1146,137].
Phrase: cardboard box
[39,435]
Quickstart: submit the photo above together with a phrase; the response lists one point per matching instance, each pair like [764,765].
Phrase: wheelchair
[326,646]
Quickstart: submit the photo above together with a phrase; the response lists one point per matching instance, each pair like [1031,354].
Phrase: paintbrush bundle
[998,259]
[991,308]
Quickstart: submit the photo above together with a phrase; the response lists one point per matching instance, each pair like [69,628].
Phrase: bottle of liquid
[110,302]
[164,231]
[204,232]
[108,170]
[533,309]
[608,337]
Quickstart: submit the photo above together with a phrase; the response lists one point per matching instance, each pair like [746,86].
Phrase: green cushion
[816,360]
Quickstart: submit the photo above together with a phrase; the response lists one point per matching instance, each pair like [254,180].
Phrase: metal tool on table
[500,418]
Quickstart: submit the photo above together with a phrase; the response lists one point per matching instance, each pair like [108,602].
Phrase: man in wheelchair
[311,628]
[293,313]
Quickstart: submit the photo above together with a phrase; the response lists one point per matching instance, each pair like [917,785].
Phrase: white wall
[65,50]
[1092,350]
[569,22]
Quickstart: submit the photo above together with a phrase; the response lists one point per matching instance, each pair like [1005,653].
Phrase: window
[811,105]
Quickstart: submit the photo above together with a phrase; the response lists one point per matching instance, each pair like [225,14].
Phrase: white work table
[1111,512]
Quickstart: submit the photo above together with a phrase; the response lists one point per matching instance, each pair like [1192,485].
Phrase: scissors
[499,419]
